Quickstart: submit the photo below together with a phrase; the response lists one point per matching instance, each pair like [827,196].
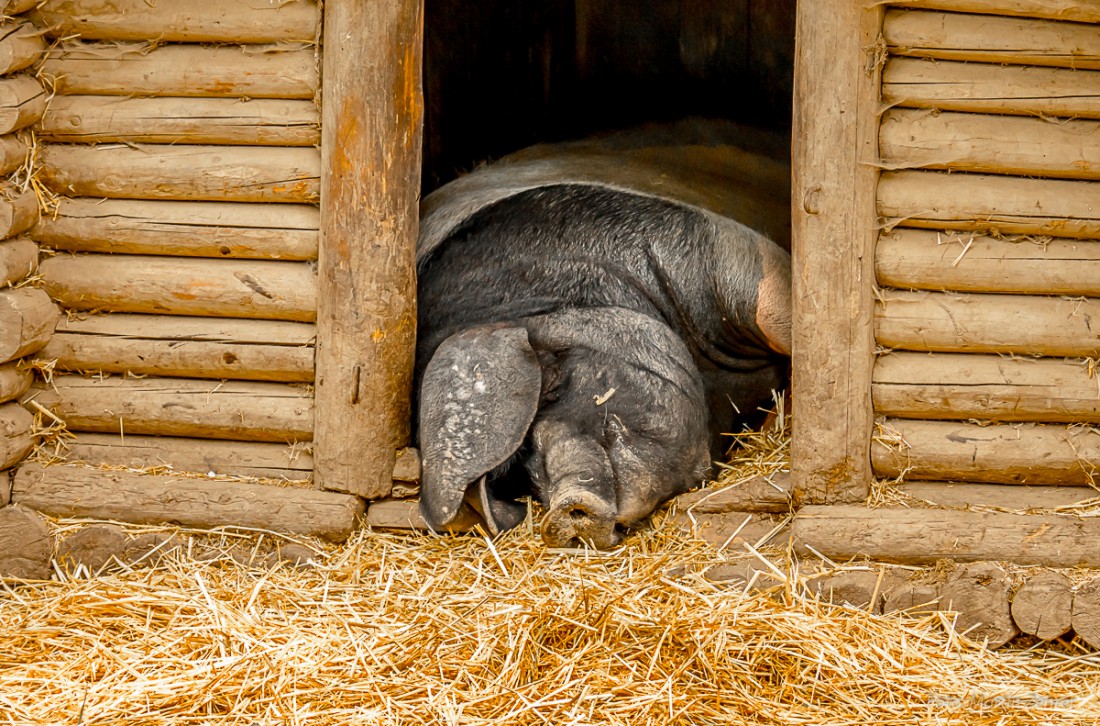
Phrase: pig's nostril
[578,513]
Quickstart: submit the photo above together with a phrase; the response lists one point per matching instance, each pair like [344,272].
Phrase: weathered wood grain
[961,386]
[929,260]
[989,88]
[174,120]
[977,323]
[1041,147]
[1043,606]
[26,545]
[190,21]
[991,39]
[158,345]
[22,102]
[264,289]
[980,593]
[140,69]
[1053,9]
[835,127]
[76,491]
[1001,454]
[923,536]
[18,260]
[238,410]
[21,46]
[203,173]
[195,229]
[372,108]
[27,320]
[16,440]
[1012,497]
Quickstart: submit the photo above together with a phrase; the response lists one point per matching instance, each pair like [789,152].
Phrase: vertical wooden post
[371,111]
[835,146]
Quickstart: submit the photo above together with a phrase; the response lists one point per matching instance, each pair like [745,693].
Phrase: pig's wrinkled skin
[584,343]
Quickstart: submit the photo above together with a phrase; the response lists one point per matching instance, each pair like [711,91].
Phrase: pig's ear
[478,397]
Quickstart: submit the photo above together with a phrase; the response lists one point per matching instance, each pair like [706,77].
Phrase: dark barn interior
[500,75]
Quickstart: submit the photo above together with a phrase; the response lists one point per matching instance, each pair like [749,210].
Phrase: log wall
[988,263]
[27,315]
[179,161]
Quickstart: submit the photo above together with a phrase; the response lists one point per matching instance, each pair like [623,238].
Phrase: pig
[590,328]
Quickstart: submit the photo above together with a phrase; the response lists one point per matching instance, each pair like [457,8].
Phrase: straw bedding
[416,629]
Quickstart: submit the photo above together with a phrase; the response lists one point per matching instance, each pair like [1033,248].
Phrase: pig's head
[599,413]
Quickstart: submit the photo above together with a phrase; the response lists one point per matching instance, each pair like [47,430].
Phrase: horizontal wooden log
[928,260]
[18,259]
[919,138]
[212,173]
[13,153]
[235,410]
[22,102]
[18,211]
[173,120]
[1043,606]
[194,229]
[16,440]
[991,39]
[26,545]
[139,69]
[15,378]
[1003,454]
[923,536]
[27,320]
[75,491]
[975,323]
[962,386]
[190,21]
[1011,497]
[202,456]
[994,204]
[158,345]
[988,88]
[261,289]
[21,46]
[1052,9]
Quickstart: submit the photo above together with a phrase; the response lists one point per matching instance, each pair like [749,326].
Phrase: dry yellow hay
[417,629]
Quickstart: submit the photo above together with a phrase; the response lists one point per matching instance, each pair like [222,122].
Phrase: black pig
[586,337]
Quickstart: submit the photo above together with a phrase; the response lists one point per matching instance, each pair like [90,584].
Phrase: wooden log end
[911,596]
[979,592]
[26,544]
[1086,612]
[92,548]
[1043,605]
[861,589]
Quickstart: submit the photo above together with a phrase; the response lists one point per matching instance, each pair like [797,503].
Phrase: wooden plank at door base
[931,260]
[76,491]
[285,175]
[833,242]
[371,111]
[966,386]
[238,410]
[265,289]
[165,345]
[185,21]
[986,39]
[192,229]
[203,456]
[230,71]
[924,536]
[1050,9]
[989,88]
[921,138]
[988,203]
[172,120]
[978,323]
[999,454]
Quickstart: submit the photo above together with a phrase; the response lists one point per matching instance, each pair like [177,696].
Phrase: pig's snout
[581,517]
